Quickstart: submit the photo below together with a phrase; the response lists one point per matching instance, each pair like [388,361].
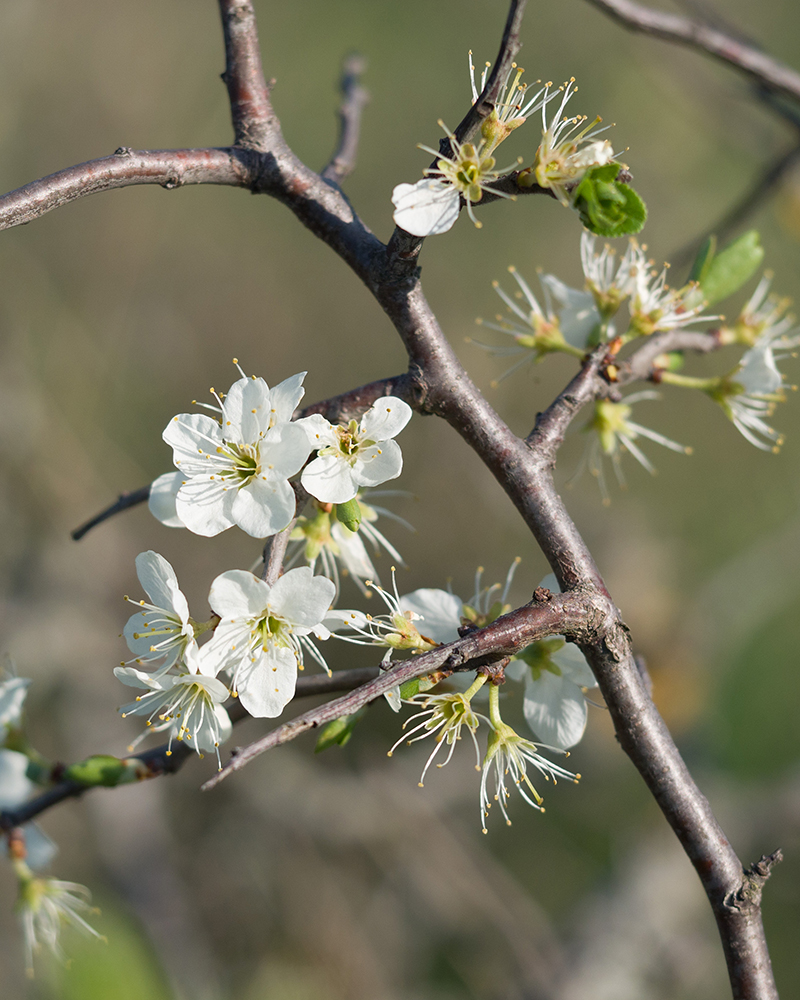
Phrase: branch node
[748,896]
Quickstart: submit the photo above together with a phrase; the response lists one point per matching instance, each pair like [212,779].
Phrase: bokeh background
[335,875]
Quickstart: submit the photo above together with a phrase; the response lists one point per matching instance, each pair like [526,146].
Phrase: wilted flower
[444,716]
[606,279]
[613,432]
[512,105]
[359,454]
[510,754]
[542,331]
[653,305]
[567,150]
[235,468]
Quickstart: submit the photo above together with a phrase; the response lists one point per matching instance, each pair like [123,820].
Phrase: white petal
[330,479]
[385,419]
[15,786]
[267,686]
[238,594]
[204,505]
[378,464]
[162,499]
[440,612]
[192,436]
[426,208]
[319,431]
[301,598]
[12,698]
[39,848]
[264,507]
[155,574]
[283,451]
[246,411]
[352,552]
[578,316]
[573,666]
[555,709]
[285,397]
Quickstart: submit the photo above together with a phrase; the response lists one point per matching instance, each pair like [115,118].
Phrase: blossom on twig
[359,454]
[235,468]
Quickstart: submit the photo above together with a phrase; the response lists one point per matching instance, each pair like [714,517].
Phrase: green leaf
[338,732]
[606,206]
[349,514]
[702,261]
[729,270]
[410,688]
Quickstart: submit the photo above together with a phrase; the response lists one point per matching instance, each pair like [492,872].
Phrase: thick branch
[674,28]
[354,100]
[562,614]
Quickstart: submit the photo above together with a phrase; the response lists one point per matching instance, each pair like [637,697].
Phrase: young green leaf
[606,206]
[338,732]
[725,273]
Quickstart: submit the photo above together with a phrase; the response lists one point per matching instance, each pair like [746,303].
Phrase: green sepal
[410,688]
[103,769]
[702,261]
[338,732]
[606,206]
[349,514]
[726,272]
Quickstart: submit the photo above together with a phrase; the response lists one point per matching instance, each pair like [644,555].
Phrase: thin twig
[564,614]
[124,502]
[248,93]
[674,28]
[354,100]
[168,760]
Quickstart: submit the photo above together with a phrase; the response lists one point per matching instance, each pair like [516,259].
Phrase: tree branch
[124,502]
[354,100]
[254,124]
[674,28]
[562,614]
[160,760]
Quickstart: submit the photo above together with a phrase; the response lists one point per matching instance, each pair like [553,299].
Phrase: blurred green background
[335,875]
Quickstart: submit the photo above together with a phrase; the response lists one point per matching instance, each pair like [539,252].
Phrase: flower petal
[330,479]
[204,504]
[426,208]
[162,499]
[264,507]
[385,419]
[440,612]
[285,397]
[238,594]
[155,575]
[267,685]
[555,709]
[301,598]
[246,411]
[378,464]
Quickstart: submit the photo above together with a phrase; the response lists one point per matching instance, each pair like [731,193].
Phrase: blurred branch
[354,100]
[723,46]
[165,760]
[124,502]
[639,365]
[572,615]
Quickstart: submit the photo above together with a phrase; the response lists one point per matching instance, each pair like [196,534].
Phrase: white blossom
[537,331]
[12,699]
[431,206]
[163,630]
[359,454]
[750,393]
[187,701]
[235,468]
[264,632]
